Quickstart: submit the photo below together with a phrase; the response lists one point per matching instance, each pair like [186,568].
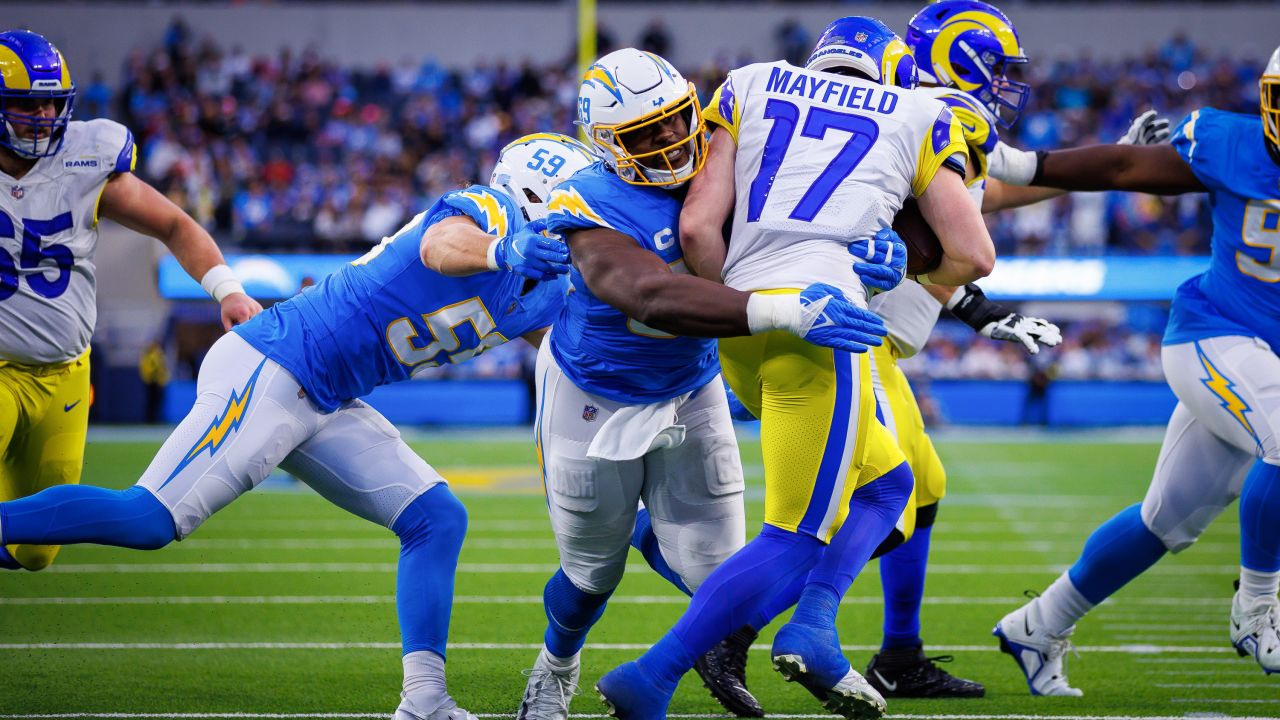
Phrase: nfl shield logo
[860,37]
[17,192]
[589,413]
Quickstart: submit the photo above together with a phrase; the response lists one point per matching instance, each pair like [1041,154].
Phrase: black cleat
[907,673]
[724,671]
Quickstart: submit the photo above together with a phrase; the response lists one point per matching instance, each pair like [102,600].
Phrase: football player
[58,177]
[467,275]
[630,404]
[1219,357]
[808,161]
[963,49]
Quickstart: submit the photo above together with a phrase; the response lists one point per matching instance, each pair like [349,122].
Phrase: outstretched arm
[136,205]
[638,283]
[1002,196]
[1156,169]
[707,207]
[456,246]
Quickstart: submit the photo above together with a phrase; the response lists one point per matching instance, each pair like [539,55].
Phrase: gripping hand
[995,321]
[530,253]
[881,261]
[1146,129]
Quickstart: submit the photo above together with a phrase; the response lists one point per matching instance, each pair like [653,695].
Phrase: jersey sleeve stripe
[944,139]
[723,109]
[127,160]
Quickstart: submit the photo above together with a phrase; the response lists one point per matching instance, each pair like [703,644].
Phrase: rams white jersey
[822,160]
[909,312]
[48,237]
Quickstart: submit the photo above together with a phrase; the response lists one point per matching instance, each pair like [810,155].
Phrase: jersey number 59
[402,335]
[1261,230]
[33,255]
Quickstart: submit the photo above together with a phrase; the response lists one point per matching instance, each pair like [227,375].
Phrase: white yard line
[1271,685]
[547,568]
[679,716]
[1122,649]
[536,600]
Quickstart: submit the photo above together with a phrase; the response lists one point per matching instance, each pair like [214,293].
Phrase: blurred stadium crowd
[298,153]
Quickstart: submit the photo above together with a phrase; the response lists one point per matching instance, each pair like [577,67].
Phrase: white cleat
[1255,630]
[446,710]
[549,691]
[1041,656]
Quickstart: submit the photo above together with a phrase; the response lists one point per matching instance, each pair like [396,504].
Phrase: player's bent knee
[437,515]
[35,557]
[154,526]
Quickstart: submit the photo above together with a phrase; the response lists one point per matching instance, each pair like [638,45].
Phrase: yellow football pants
[818,429]
[901,414]
[44,417]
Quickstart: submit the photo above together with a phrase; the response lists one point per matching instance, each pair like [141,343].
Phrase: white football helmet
[625,97]
[1269,95]
[529,168]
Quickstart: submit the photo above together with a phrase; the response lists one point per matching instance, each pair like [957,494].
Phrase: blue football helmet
[868,47]
[969,45]
[32,70]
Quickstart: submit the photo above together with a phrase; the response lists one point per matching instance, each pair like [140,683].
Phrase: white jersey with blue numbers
[822,160]
[48,238]
[600,349]
[387,316]
[1240,292]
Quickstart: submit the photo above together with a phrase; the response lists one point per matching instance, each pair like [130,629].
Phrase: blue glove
[881,262]
[530,253]
[827,318]
[737,410]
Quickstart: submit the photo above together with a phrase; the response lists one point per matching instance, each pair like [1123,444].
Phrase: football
[924,250]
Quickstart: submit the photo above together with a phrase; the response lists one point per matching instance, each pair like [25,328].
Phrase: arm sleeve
[1199,139]
[724,110]
[944,140]
[491,210]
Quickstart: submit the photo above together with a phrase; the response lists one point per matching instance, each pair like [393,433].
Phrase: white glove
[1146,129]
[1030,331]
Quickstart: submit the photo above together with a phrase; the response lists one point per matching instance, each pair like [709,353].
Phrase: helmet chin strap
[1272,150]
[26,149]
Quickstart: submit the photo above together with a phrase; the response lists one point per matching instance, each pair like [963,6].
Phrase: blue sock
[68,514]
[570,614]
[1120,550]
[430,529]
[644,540]
[735,594]
[873,511]
[902,572]
[1259,508]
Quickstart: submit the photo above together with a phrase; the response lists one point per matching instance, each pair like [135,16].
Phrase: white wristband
[1012,166]
[956,297]
[492,255]
[220,281]
[773,312]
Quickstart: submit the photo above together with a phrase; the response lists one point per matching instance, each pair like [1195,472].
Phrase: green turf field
[281,606]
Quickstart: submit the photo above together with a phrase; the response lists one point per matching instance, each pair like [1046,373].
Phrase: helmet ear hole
[532,196]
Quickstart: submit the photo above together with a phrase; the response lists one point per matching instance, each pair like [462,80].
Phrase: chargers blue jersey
[386,315]
[1240,292]
[601,350]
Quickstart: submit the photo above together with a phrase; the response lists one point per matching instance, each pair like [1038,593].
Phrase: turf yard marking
[1178,569]
[681,716]
[1179,661]
[389,542]
[537,600]
[1123,649]
[1219,685]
